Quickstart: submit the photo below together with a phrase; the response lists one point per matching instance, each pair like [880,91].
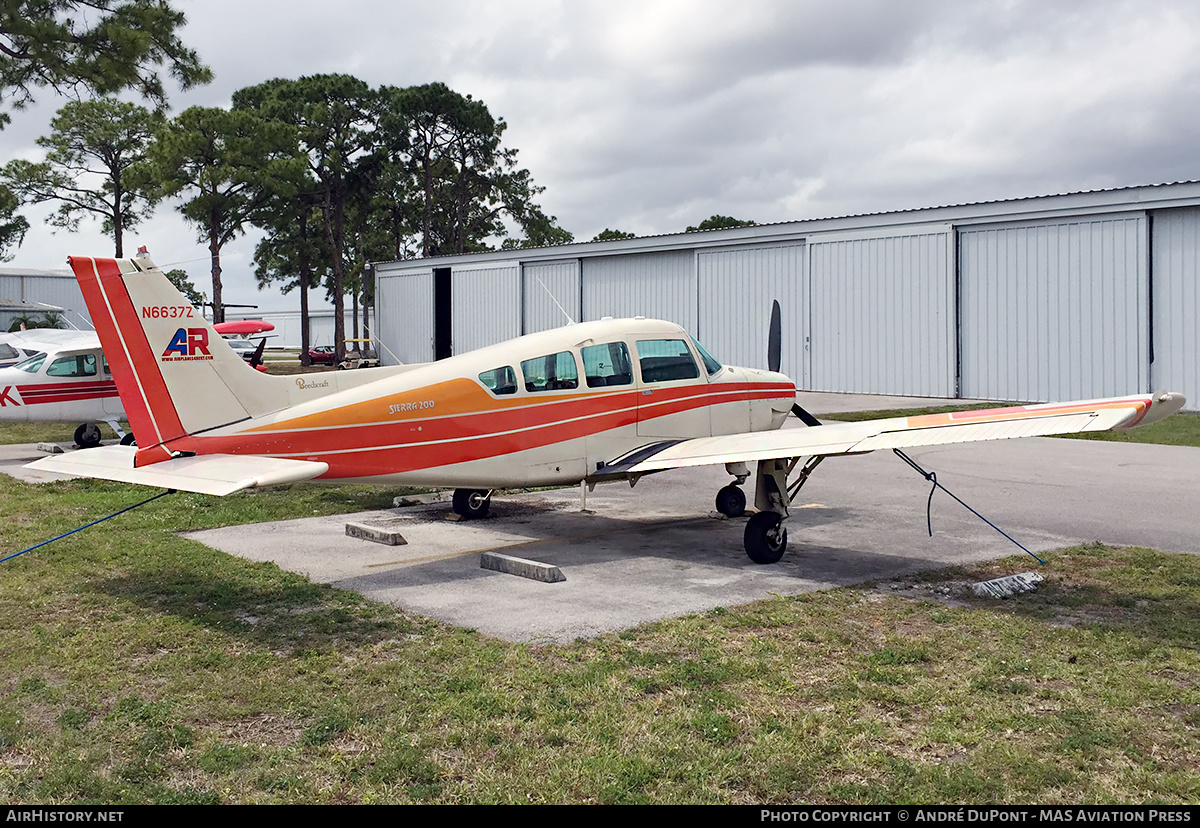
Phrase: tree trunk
[305,342]
[214,250]
[335,229]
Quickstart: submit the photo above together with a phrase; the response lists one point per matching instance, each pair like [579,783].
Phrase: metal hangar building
[1072,296]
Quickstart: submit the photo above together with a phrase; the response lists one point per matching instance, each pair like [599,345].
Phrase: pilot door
[672,399]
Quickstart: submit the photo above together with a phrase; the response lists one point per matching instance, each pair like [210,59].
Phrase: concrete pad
[651,552]
[13,459]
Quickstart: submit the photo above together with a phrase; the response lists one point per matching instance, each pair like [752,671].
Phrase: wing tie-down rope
[86,525]
[932,478]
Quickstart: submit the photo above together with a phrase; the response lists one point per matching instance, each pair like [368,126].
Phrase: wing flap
[908,432]
[212,474]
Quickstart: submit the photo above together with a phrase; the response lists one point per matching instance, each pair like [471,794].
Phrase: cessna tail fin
[175,373]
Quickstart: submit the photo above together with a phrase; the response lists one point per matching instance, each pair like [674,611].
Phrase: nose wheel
[87,435]
[731,501]
[472,504]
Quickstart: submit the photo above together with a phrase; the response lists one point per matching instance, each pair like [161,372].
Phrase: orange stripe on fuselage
[374,448]
[469,410]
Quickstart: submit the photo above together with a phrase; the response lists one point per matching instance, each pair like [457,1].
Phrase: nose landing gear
[471,504]
[731,501]
[765,538]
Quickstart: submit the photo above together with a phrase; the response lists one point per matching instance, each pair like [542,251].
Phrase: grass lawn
[136,666]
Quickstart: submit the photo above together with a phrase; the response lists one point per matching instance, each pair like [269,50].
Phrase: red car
[321,355]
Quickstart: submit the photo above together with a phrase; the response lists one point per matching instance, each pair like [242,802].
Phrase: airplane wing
[213,474]
[900,432]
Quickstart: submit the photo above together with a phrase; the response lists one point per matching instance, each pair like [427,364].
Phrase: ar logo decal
[188,343]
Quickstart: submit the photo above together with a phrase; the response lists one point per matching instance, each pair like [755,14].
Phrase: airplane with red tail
[63,378]
[614,399]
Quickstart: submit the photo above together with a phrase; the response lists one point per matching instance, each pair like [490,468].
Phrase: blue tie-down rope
[932,478]
[93,523]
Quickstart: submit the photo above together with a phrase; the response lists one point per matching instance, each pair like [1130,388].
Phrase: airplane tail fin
[175,373]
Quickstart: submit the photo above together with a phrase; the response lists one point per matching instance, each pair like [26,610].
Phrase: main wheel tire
[731,501]
[128,439]
[765,539]
[87,435]
[472,503]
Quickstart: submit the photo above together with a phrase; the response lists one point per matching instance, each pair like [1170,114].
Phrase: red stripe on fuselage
[546,412]
[389,448]
[66,392]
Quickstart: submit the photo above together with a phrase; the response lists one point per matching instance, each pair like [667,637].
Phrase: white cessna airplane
[61,378]
[614,399]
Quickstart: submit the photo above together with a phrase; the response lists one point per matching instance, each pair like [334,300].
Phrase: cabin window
[607,364]
[554,372]
[80,365]
[663,360]
[8,352]
[500,380]
[32,365]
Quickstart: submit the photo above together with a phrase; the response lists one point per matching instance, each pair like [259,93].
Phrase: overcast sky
[651,115]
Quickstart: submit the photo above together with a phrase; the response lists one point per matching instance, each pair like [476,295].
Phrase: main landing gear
[765,538]
[471,504]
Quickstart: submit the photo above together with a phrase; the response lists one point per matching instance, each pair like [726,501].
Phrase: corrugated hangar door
[404,316]
[737,287]
[485,306]
[551,294]
[1056,309]
[1176,252]
[654,285]
[882,313]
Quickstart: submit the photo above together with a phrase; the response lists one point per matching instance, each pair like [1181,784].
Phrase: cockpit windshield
[710,363]
[31,365]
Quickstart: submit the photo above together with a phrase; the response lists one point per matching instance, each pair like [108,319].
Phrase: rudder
[175,373]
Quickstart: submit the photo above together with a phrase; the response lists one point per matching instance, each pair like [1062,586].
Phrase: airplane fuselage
[549,408]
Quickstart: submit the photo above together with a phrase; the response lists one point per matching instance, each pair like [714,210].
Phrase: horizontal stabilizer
[212,474]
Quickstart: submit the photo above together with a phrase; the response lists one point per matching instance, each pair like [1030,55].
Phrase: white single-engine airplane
[65,380]
[595,401]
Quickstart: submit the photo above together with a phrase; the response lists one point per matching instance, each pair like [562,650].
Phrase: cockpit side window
[554,372]
[663,360]
[79,365]
[499,381]
[607,364]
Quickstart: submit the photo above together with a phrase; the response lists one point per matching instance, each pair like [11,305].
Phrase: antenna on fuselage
[570,321]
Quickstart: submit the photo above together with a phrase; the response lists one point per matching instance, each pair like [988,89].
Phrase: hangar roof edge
[1113,199]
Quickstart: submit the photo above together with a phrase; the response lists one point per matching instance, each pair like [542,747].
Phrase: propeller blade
[774,339]
[805,417]
[257,359]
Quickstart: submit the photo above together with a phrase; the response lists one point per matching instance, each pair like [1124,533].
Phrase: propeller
[774,339]
[257,359]
[774,354]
